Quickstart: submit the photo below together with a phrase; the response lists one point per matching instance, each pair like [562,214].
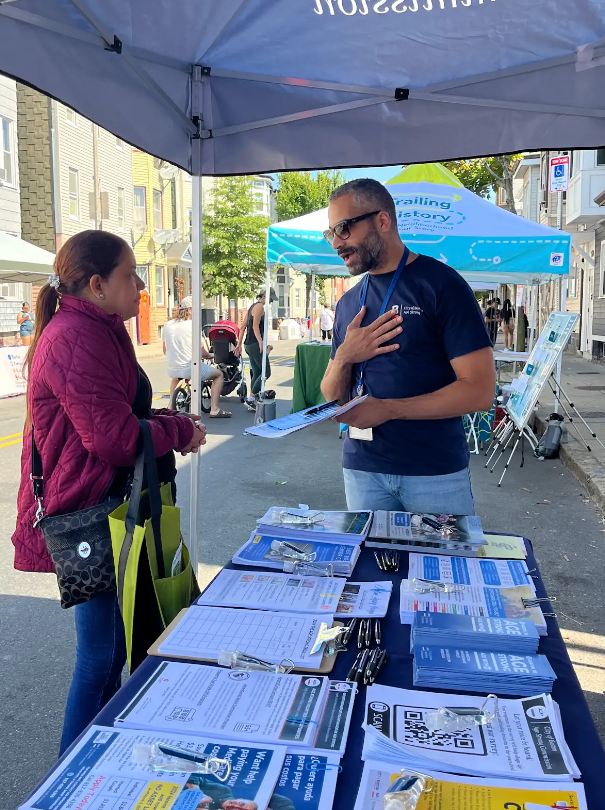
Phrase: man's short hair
[370,195]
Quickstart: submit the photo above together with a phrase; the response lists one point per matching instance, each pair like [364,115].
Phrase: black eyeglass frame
[345,224]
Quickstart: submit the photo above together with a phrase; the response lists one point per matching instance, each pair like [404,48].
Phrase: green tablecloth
[309,367]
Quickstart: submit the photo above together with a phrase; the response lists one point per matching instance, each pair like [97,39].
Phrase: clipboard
[327,664]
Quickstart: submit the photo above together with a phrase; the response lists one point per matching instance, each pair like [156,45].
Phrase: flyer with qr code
[524,741]
[100,773]
[465,793]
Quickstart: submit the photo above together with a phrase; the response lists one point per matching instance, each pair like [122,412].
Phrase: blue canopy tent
[245,86]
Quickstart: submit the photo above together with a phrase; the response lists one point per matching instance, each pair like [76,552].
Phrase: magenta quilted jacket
[82,384]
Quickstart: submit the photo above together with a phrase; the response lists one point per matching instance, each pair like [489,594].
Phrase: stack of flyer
[471,670]
[465,793]
[451,534]
[517,636]
[307,524]
[470,600]
[260,551]
[524,740]
[463,571]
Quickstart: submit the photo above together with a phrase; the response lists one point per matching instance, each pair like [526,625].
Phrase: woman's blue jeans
[100,658]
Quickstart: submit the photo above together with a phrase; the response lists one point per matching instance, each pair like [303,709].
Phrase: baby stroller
[223,336]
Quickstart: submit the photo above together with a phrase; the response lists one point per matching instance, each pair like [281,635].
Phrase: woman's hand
[193,416]
[198,439]
[237,351]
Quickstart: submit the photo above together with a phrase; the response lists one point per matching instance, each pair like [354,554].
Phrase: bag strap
[37,479]
[145,461]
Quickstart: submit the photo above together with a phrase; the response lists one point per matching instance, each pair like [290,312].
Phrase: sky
[381,174]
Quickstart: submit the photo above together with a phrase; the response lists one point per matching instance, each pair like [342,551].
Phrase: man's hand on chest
[362,343]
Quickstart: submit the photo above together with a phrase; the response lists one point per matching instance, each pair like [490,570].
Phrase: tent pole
[196,357]
[559,361]
[532,330]
[266,329]
[311,305]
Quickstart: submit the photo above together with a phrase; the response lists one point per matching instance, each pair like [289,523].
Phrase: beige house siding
[10,219]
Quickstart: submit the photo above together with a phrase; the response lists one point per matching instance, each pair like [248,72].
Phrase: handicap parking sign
[559,171]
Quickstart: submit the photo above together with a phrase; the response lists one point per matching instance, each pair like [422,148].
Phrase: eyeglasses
[342,229]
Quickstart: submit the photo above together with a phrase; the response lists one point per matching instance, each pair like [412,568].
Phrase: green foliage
[482,175]
[234,240]
[301,193]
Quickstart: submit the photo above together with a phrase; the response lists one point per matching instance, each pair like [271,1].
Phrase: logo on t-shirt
[411,310]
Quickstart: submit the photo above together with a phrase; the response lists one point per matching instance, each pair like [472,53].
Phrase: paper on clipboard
[302,419]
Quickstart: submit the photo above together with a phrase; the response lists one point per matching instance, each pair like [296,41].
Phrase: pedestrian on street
[178,348]
[508,325]
[491,321]
[85,396]
[411,337]
[251,337]
[25,319]
[326,323]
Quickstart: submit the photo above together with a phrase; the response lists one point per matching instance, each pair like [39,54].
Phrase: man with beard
[411,336]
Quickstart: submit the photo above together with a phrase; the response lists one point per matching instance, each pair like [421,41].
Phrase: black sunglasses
[342,229]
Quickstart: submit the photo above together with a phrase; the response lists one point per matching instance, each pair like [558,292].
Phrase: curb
[581,464]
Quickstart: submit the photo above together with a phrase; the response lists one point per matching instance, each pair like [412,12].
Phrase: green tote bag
[153,572]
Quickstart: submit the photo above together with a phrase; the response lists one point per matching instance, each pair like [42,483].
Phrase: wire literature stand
[526,389]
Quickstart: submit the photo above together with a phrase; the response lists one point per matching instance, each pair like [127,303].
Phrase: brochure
[465,793]
[255,707]
[313,524]
[257,551]
[475,632]
[491,573]
[365,599]
[261,591]
[430,528]
[277,428]
[307,782]
[525,741]
[100,772]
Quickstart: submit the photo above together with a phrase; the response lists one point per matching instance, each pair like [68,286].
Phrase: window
[159,286]
[602,267]
[600,158]
[297,299]
[572,288]
[139,209]
[120,208]
[7,152]
[119,144]
[143,274]
[9,290]
[189,222]
[258,184]
[157,210]
[70,117]
[74,194]
[280,295]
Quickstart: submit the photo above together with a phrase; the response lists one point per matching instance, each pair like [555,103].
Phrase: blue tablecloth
[580,731]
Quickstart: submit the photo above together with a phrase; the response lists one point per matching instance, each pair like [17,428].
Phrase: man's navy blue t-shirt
[441,321]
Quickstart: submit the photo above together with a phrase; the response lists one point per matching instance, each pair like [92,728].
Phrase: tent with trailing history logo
[249,86]
[437,216]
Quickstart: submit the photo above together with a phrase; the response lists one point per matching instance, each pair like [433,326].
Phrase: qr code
[411,729]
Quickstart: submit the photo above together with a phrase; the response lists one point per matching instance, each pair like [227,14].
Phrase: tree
[301,193]
[234,240]
[481,175]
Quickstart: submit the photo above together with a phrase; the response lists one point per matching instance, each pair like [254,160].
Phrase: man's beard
[368,255]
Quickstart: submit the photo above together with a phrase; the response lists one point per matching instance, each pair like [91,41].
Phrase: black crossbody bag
[79,544]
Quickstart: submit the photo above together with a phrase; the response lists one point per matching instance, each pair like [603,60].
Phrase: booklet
[100,773]
[472,600]
[285,425]
[465,793]
[453,529]
[252,707]
[475,632]
[205,632]
[257,551]
[366,600]
[313,524]
[468,670]
[491,573]
[525,741]
[261,591]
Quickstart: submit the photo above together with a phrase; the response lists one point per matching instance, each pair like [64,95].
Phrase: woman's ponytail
[46,306]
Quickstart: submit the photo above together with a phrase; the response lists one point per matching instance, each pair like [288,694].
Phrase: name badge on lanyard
[362,434]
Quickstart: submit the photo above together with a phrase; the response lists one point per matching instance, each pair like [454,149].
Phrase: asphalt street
[240,477]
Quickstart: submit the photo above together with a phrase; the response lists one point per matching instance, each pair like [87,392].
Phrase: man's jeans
[432,494]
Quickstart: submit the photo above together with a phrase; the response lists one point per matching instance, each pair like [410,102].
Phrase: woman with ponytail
[85,396]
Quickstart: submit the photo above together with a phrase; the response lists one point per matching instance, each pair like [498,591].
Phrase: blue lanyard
[383,308]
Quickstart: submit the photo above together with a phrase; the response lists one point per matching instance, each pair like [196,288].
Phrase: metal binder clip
[457,718]
[405,792]
[535,602]
[239,660]
[290,551]
[309,569]
[326,634]
[431,586]
[308,519]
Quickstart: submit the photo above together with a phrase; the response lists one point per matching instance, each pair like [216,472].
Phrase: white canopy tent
[22,262]
[242,86]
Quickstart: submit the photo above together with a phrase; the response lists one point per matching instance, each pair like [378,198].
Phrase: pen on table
[353,670]
[389,556]
[372,662]
[379,560]
[348,632]
[396,560]
[180,753]
[377,631]
[358,676]
[379,664]
[361,634]
[368,637]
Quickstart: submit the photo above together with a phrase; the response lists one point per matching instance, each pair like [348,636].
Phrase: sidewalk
[152,351]
[584,383]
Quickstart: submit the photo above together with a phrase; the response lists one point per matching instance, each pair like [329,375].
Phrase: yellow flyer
[466,793]
[502,547]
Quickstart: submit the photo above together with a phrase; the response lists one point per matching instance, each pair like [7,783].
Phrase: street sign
[559,173]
